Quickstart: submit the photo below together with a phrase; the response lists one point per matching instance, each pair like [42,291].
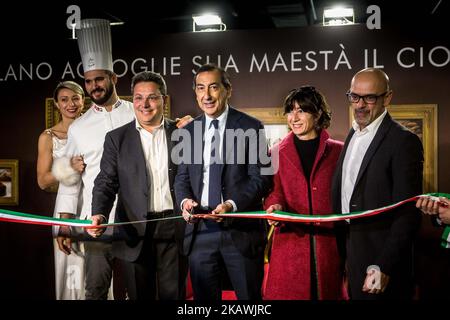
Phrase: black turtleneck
[307,150]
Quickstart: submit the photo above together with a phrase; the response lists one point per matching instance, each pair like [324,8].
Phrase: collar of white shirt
[103,109]
[373,127]
[222,119]
[139,127]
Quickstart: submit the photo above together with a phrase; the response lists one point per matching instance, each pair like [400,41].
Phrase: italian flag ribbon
[19,217]
[305,218]
[446,238]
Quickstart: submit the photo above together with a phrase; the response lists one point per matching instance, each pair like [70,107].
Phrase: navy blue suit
[234,244]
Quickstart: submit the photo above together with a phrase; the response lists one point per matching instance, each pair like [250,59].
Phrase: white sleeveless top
[59,145]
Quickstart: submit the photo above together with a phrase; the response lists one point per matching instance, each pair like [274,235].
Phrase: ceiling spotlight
[338,16]
[207,22]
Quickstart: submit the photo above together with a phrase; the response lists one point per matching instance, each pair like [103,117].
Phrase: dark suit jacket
[391,171]
[123,172]
[242,183]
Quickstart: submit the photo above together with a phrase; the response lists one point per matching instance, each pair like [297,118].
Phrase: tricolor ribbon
[446,238]
[19,217]
[294,217]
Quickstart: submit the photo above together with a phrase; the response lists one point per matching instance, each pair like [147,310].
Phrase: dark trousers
[214,252]
[99,268]
[159,273]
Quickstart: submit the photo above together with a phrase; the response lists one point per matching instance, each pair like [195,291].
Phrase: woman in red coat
[304,261]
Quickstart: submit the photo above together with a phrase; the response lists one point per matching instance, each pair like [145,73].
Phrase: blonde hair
[75,87]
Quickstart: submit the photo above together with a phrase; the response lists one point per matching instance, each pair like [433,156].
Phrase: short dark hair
[312,101]
[149,76]
[224,77]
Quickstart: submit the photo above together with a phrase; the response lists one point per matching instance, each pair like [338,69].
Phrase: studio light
[338,16]
[207,23]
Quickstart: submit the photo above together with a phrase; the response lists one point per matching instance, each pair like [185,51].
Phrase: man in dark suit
[381,164]
[136,165]
[218,175]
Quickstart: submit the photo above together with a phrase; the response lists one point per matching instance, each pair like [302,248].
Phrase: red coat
[289,267]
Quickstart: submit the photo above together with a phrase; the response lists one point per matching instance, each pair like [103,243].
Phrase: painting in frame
[421,119]
[9,182]
[274,122]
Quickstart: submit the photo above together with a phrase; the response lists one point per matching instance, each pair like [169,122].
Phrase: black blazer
[123,172]
[242,183]
[391,171]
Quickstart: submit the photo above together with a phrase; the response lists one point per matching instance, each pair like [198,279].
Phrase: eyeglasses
[370,98]
[152,97]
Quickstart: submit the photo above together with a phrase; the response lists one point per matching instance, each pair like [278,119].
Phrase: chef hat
[94,42]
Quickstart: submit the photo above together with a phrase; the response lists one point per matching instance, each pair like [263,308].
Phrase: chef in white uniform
[85,137]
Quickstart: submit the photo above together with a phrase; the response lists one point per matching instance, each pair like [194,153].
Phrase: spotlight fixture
[338,16]
[207,22]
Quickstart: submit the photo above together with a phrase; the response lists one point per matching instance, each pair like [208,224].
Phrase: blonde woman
[69,263]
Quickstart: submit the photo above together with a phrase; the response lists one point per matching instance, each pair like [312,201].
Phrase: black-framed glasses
[370,98]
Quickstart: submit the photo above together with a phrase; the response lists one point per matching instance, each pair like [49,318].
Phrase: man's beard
[101,101]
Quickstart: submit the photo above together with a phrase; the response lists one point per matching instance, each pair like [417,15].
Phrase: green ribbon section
[445,243]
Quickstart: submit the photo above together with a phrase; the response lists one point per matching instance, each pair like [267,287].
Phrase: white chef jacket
[85,137]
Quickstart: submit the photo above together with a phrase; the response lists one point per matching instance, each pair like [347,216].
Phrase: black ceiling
[168,16]
[28,22]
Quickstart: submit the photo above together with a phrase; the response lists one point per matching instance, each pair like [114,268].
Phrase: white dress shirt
[354,156]
[209,132]
[155,149]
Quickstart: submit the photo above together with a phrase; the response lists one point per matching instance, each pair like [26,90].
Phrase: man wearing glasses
[381,164]
[136,165]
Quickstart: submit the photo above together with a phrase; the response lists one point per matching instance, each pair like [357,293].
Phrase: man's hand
[64,234]
[428,205]
[271,209]
[78,164]
[221,208]
[376,281]
[188,206]
[97,220]
[181,123]
[444,210]
[63,239]
[432,206]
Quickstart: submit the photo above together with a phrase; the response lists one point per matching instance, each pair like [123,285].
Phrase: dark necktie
[215,169]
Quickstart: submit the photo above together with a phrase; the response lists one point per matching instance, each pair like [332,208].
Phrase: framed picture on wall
[274,122]
[9,182]
[276,128]
[421,119]
[52,115]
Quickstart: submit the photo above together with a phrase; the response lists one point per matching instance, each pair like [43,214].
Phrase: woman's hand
[271,209]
